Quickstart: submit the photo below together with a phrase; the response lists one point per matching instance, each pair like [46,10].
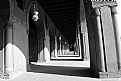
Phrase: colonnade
[105,38]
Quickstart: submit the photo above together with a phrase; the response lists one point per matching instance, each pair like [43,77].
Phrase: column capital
[113,10]
[8,25]
[97,11]
[102,3]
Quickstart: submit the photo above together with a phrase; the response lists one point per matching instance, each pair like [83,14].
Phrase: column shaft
[60,46]
[56,47]
[117,35]
[79,46]
[101,53]
[63,49]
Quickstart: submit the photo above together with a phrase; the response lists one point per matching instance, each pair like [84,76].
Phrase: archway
[32,40]
[36,40]
[98,37]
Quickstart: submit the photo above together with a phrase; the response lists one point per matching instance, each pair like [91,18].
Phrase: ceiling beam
[65,16]
[66,20]
[64,11]
[74,15]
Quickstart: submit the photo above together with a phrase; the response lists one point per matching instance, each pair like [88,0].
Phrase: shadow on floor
[66,59]
[62,70]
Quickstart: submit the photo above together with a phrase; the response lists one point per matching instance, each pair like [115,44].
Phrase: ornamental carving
[101,3]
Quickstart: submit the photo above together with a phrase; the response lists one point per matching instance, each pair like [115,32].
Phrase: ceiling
[64,14]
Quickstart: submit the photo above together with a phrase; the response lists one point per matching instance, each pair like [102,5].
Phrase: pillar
[8,51]
[52,47]
[84,46]
[117,35]
[41,56]
[56,47]
[101,52]
[47,48]
[79,45]
[60,52]
[63,49]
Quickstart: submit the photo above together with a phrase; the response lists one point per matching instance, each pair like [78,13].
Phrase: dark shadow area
[52,46]
[62,70]
[32,40]
[68,56]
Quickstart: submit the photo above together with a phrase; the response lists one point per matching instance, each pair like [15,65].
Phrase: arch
[36,35]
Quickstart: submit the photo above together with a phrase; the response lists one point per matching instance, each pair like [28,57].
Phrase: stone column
[41,56]
[101,52]
[52,47]
[117,35]
[56,47]
[46,48]
[63,49]
[84,50]
[60,52]
[79,45]
[8,51]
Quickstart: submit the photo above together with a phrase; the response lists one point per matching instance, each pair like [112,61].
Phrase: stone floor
[59,71]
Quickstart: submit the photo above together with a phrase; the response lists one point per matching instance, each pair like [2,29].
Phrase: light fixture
[35,12]
[35,16]
[60,38]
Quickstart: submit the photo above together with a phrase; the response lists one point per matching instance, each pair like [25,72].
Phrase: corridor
[59,71]
[59,40]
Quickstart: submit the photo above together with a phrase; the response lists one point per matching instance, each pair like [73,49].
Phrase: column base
[38,61]
[116,74]
[7,76]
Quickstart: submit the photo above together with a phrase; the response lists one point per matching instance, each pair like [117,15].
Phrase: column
[63,49]
[101,52]
[8,52]
[60,45]
[84,50]
[79,45]
[41,56]
[52,47]
[38,50]
[117,35]
[47,48]
[56,47]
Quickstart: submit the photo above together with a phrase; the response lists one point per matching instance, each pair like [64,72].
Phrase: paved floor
[59,71]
